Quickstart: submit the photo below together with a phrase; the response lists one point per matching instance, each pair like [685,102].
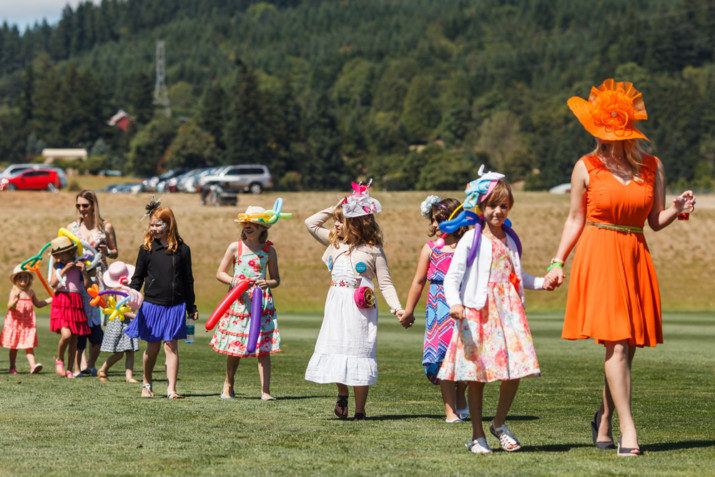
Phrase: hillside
[324,92]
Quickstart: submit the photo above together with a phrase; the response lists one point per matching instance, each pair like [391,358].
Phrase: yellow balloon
[72,237]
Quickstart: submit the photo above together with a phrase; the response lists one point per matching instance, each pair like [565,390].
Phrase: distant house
[51,155]
[121,120]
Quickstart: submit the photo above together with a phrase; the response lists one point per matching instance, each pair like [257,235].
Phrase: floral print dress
[231,335]
[494,343]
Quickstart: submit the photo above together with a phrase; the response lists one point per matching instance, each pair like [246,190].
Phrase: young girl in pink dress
[484,288]
[432,265]
[20,329]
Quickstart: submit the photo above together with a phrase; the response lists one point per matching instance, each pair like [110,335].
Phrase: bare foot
[131,380]
[267,397]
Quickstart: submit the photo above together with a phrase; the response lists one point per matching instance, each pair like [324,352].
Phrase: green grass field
[50,425]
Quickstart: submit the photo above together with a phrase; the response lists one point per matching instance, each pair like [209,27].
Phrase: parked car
[253,178]
[151,183]
[189,182]
[13,169]
[32,179]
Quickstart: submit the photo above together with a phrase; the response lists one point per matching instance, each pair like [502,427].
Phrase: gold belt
[626,229]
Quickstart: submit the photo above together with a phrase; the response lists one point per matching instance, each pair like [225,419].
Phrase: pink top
[74,281]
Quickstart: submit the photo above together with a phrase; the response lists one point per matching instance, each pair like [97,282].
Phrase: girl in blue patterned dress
[432,265]
[251,257]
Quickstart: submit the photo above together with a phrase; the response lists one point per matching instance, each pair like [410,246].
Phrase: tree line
[416,93]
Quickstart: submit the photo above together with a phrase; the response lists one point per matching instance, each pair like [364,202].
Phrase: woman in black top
[164,268]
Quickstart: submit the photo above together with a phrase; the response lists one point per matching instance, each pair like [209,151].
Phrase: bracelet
[554,264]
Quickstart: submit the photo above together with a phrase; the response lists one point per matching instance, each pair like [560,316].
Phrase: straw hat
[611,112]
[117,274]
[18,270]
[253,210]
[62,244]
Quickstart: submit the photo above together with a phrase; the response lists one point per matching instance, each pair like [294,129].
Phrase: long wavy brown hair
[632,153]
[362,230]
[172,237]
[440,212]
[92,198]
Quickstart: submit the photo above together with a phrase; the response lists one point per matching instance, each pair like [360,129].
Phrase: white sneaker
[453,421]
[479,446]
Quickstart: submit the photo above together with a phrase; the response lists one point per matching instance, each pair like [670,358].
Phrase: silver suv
[253,178]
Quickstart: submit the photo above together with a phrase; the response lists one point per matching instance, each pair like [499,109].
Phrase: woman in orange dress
[613,293]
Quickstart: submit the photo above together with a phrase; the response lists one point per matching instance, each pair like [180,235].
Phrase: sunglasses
[83,206]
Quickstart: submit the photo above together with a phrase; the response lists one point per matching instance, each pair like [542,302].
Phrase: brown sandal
[102,375]
[341,407]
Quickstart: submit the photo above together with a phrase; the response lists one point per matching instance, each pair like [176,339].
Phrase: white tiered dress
[345,352]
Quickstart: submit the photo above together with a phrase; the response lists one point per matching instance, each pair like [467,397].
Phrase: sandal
[360,416]
[174,395]
[36,368]
[463,413]
[128,380]
[60,367]
[102,376]
[603,445]
[506,439]
[341,407]
[146,390]
[626,451]
[479,446]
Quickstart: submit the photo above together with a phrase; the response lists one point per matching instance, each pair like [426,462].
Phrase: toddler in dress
[484,288]
[115,341]
[20,329]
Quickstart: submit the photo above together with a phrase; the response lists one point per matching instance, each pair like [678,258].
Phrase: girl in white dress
[345,352]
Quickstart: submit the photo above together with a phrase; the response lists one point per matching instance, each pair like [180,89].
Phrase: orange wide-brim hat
[612,111]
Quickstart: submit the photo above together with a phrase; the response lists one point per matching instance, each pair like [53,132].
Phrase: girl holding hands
[345,352]
[484,289]
[432,265]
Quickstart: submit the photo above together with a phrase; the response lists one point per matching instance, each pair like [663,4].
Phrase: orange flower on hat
[612,111]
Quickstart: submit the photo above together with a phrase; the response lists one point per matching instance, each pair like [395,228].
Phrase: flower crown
[612,111]
[360,203]
[426,205]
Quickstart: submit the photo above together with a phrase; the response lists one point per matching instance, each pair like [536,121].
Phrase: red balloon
[227,301]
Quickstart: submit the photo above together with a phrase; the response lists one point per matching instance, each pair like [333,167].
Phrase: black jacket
[166,276]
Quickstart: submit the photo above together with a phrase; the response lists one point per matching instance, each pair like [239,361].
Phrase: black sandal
[341,407]
[359,416]
[602,445]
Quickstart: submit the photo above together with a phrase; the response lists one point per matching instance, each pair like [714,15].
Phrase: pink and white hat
[118,273]
[360,203]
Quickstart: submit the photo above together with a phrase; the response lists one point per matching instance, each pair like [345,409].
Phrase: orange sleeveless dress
[613,291]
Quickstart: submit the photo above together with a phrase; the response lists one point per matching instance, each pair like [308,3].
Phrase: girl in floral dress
[251,257]
[432,265]
[485,293]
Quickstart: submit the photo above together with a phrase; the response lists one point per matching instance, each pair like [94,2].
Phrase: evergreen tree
[212,114]
[245,133]
[141,98]
[324,167]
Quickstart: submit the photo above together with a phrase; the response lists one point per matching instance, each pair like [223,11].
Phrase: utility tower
[161,96]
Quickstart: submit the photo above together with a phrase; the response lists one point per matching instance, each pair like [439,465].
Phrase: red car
[32,179]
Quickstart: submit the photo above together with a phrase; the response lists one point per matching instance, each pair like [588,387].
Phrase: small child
[164,268]
[250,258]
[493,341]
[345,352]
[67,313]
[432,265]
[117,277]
[20,329]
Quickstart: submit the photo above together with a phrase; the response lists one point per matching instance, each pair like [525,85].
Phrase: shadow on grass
[553,447]
[397,417]
[258,398]
[668,446]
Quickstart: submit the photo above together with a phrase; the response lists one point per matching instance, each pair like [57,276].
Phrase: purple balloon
[255,326]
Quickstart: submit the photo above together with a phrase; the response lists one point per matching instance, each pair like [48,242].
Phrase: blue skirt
[158,323]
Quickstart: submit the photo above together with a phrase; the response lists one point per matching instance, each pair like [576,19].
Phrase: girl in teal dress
[252,258]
